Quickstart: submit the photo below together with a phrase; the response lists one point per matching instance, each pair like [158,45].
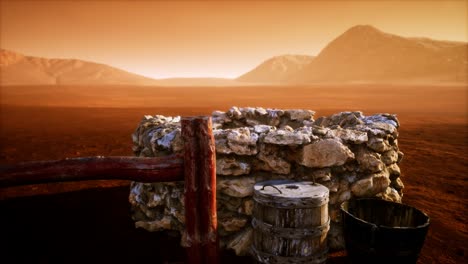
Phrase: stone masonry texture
[352,154]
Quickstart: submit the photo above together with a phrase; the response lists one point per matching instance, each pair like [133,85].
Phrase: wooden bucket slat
[274,259]
[292,233]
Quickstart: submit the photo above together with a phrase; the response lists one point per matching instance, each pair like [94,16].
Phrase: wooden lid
[290,194]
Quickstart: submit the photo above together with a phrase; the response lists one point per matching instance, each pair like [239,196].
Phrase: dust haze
[57,108]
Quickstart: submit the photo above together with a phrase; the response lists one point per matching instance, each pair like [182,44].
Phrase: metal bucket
[379,231]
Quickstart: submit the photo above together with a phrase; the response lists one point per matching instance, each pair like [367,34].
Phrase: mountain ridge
[361,54]
[364,53]
[277,69]
[19,69]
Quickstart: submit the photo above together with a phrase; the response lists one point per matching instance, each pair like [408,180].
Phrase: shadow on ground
[88,226]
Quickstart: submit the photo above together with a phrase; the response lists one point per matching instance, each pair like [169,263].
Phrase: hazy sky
[163,39]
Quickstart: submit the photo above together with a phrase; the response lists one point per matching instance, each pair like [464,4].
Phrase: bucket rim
[426,224]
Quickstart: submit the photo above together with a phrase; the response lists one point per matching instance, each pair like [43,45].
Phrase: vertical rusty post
[191,191]
[207,190]
[200,191]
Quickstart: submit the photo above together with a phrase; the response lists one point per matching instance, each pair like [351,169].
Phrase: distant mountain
[18,69]
[361,54]
[201,82]
[277,69]
[366,54]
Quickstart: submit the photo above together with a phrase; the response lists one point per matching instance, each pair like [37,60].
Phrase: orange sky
[163,39]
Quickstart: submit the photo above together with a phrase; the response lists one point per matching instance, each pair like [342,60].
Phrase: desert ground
[76,221]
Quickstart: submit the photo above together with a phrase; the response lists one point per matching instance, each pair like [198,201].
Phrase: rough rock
[371,185]
[156,225]
[320,175]
[271,161]
[239,187]
[262,129]
[386,127]
[324,153]
[299,114]
[274,117]
[228,202]
[390,157]
[332,185]
[232,224]
[239,141]
[394,171]
[234,113]
[368,160]
[231,166]
[247,207]
[397,184]
[319,131]
[391,195]
[380,145]
[177,214]
[242,142]
[344,120]
[220,118]
[344,196]
[287,137]
[349,135]
[242,242]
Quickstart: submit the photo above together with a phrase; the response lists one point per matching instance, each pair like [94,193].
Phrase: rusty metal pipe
[158,169]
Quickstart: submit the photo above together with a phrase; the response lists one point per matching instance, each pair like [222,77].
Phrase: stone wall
[351,154]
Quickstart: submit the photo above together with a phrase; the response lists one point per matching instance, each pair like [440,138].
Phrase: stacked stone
[352,154]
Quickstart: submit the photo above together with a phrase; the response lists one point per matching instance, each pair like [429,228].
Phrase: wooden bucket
[290,222]
[379,231]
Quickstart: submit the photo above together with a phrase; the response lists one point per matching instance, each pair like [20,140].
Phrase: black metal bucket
[379,231]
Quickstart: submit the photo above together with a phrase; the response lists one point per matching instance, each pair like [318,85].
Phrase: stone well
[352,154]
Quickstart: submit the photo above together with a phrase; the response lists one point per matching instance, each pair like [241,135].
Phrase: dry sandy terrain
[53,122]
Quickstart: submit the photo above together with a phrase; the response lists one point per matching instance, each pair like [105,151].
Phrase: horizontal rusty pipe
[158,169]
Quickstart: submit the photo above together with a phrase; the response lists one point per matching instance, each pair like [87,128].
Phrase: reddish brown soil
[36,125]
